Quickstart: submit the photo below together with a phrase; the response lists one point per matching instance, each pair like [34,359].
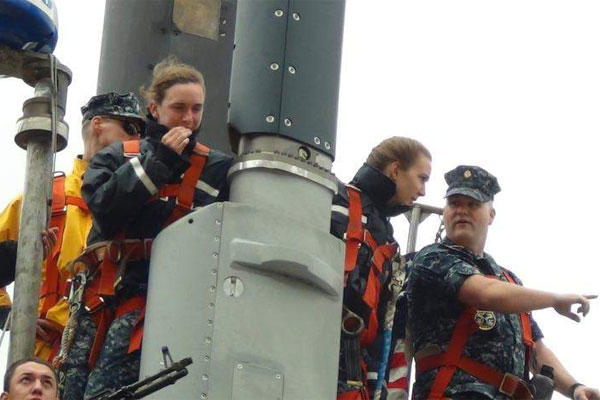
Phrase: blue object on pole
[29,24]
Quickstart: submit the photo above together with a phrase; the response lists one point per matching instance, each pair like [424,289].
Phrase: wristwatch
[572,389]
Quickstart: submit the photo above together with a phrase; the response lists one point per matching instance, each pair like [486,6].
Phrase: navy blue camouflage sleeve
[442,271]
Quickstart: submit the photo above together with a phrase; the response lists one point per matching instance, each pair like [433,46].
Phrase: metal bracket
[417,214]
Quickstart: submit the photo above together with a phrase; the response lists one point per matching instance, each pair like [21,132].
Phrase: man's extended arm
[494,295]
[563,381]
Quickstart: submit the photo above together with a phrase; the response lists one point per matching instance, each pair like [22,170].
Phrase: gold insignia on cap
[468,174]
[486,320]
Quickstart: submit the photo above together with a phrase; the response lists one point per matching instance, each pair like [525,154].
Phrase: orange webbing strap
[373,287]
[49,291]
[103,318]
[53,287]
[525,328]
[506,383]
[76,201]
[137,303]
[465,326]
[187,187]
[354,231]
[357,394]
[169,190]
[131,148]
[452,359]
[109,257]
[58,194]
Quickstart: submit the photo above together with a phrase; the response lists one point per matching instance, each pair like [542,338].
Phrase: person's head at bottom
[30,379]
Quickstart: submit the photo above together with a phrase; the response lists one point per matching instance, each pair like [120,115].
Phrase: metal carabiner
[76,293]
[352,324]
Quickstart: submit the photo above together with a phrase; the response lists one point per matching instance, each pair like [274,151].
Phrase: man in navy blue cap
[470,319]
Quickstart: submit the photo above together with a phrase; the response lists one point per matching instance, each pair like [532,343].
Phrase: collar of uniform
[379,188]
[155,131]
[486,261]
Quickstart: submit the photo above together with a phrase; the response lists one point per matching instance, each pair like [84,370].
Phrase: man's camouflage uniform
[121,194]
[437,274]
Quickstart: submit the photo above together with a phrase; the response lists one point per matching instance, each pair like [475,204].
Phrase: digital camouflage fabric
[438,272]
[472,181]
[122,106]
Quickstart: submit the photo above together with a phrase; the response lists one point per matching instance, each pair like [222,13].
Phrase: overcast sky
[512,86]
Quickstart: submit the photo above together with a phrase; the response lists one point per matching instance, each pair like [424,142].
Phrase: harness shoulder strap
[58,194]
[355,231]
[184,191]
[131,148]
[452,359]
[465,326]
[525,327]
[201,149]
[49,290]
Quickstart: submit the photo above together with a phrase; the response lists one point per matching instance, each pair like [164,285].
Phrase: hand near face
[176,139]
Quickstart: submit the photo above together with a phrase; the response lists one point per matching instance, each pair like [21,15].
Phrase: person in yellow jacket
[107,118]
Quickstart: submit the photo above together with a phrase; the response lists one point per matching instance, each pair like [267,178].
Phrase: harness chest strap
[452,359]
[183,191]
[187,187]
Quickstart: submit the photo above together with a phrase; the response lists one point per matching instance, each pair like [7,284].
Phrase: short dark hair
[8,375]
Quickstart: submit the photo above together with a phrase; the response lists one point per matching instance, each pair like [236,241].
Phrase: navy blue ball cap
[121,106]
[472,181]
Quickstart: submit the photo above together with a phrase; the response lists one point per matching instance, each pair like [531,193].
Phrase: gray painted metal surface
[253,295]
[29,253]
[285,73]
[252,289]
[42,119]
[417,214]
[139,33]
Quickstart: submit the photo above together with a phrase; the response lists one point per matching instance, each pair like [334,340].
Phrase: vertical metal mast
[138,34]
[252,288]
[42,121]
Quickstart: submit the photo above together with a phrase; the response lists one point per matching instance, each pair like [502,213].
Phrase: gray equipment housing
[285,76]
[137,35]
[254,296]
[252,289]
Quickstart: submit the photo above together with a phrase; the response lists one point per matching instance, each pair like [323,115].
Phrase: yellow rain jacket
[77,226]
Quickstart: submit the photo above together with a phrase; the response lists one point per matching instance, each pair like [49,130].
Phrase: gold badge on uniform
[486,320]
[467,174]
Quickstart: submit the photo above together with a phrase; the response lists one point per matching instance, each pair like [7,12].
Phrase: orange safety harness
[449,361]
[355,237]
[54,287]
[107,260]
